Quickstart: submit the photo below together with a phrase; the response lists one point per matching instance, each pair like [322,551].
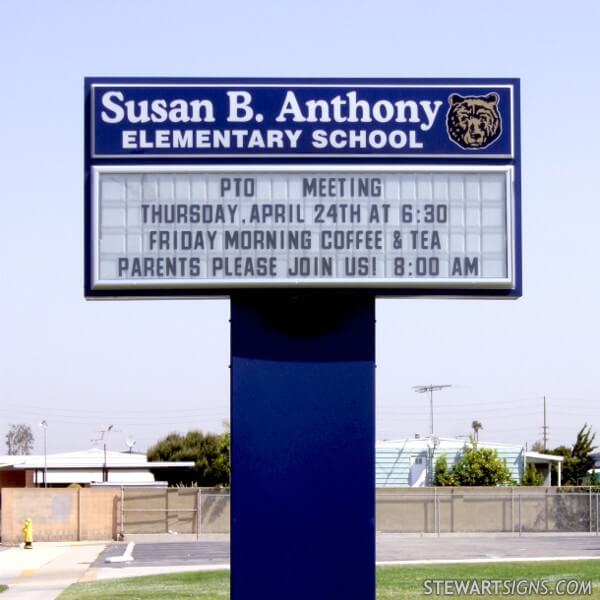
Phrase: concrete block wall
[95,513]
[59,514]
[488,509]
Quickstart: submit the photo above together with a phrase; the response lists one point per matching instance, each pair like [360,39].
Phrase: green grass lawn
[392,582]
[213,585]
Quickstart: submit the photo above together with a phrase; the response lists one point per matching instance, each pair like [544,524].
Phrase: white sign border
[315,283]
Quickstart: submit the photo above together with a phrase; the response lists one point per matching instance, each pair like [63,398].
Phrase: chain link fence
[173,510]
[399,510]
[504,510]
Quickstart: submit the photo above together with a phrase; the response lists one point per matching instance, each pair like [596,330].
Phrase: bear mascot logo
[474,122]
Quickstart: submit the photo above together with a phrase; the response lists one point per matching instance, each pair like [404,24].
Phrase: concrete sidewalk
[45,571]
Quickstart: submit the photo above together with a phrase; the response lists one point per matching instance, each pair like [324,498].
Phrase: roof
[88,459]
[533,457]
[441,442]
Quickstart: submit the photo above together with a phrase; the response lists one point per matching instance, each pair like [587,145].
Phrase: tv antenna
[422,389]
[105,432]
[130,443]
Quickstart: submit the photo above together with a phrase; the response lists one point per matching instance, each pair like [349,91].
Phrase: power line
[96,411]
[172,411]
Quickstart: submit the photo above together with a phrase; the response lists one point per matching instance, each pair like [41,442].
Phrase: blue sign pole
[303,443]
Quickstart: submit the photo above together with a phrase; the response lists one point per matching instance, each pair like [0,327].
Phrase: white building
[411,462]
[88,467]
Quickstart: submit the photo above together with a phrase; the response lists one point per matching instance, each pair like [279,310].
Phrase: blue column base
[303,447]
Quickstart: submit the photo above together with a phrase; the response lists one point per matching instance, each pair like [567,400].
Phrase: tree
[481,467]
[442,476]
[577,460]
[210,453]
[19,439]
[581,461]
[475,467]
[476,426]
[532,477]
[538,447]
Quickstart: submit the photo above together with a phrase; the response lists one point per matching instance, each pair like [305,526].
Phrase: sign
[201,227]
[233,120]
[396,186]
[199,187]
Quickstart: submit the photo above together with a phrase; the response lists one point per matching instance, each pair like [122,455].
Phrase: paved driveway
[159,554]
[390,548]
[398,547]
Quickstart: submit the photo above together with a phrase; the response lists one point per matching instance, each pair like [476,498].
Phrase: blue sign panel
[195,118]
[399,187]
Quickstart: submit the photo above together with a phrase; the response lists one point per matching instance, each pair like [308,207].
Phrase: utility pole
[545,428]
[44,426]
[108,430]
[105,469]
[422,389]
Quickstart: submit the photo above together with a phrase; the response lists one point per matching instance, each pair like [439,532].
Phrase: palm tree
[476,426]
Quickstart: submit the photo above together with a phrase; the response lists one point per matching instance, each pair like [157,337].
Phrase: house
[595,471]
[411,462]
[88,467]
[543,463]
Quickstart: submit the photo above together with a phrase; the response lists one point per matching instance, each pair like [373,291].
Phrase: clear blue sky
[152,367]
